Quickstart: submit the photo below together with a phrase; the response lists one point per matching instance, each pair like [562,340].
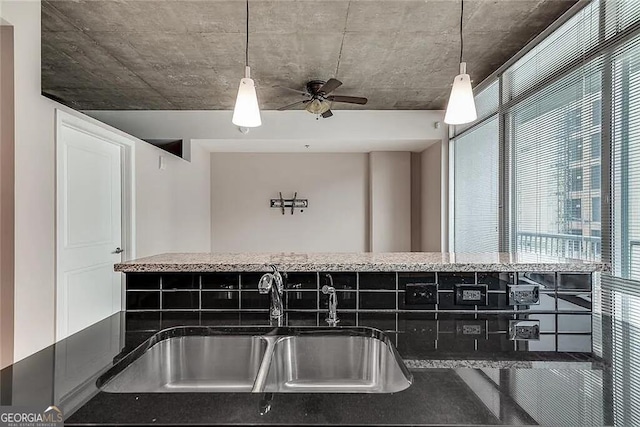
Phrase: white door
[89,229]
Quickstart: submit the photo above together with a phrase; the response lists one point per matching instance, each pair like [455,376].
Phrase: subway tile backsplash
[428,292]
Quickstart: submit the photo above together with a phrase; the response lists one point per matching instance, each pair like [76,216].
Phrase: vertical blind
[475,183]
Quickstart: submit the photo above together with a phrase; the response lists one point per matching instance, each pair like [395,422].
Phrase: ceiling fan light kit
[319,100]
[461,107]
[246,112]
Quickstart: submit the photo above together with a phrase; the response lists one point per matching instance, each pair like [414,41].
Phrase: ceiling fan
[319,99]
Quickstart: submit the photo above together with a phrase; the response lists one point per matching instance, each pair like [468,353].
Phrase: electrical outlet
[524,294]
[522,330]
[471,294]
[472,329]
[421,293]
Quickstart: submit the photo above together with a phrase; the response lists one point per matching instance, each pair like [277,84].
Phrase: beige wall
[172,205]
[243,184]
[390,201]
[431,195]
[6,195]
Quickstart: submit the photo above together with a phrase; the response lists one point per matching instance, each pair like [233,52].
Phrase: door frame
[87,125]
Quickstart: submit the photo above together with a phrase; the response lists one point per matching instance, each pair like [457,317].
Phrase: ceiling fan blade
[295,104]
[299,92]
[348,99]
[327,114]
[330,86]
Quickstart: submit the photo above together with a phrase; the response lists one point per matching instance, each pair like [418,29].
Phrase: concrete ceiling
[189,55]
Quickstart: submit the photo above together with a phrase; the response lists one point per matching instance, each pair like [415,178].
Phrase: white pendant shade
[461,108]
[247,112]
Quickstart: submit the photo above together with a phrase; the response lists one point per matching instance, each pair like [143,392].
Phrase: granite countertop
[366,261]
[448,388]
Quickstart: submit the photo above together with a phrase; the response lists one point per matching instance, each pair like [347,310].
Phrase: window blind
[620,15]
[555,140]
[487,103]
[568,43]
[625,160]
[476,189]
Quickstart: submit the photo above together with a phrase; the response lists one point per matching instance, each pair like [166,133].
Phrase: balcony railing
[560,245]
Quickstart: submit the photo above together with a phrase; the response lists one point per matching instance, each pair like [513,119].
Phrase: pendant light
[246,112]
[461,108]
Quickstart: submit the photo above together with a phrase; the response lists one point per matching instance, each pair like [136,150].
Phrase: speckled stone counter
[372,262]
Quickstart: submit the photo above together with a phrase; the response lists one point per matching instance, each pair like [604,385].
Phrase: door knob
[118,251]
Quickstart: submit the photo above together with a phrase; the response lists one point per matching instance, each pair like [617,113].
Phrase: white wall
[348,131]
[172,205]
[390,201]
[184,210]
[243,184]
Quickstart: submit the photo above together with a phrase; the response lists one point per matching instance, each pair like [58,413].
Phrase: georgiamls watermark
[28,416]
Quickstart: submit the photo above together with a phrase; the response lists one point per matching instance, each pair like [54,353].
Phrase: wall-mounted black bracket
[294,203]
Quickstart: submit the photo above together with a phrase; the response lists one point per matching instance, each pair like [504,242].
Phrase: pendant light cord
[246,51]
[461,36]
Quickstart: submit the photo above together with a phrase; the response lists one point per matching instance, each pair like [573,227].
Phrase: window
[575,179]
[625,147]
[575,149]
[573,209]
[595,177]
[596,112]
[595,145]
[572,121]
[475,190]
[546,133]
[595,209]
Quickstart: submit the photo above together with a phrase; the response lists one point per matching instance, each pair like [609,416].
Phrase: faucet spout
[332,319]
[271,283]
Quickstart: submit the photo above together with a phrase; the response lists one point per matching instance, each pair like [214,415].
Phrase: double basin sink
[261,360]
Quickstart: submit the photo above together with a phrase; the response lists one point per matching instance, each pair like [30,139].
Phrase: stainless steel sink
[335,364]
[269,360]
[194,364]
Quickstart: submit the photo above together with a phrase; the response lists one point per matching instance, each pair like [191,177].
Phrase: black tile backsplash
[449,280]
[346,300]
[149,300]
[438,292]
[404,278]
[181,300]
[377,300]
[574,281]
[143,281]
[385,281]
[341,281]
[249,281]
[180,281]
[301,300]
[545,280]
[229,300]
[496,281]
[302,281]
[221,281]
[254,300]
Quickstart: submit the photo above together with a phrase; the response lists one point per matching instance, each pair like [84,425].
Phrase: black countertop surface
[458,380]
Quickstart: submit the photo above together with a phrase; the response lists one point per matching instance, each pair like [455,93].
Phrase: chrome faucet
[272,283]
[332,320]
